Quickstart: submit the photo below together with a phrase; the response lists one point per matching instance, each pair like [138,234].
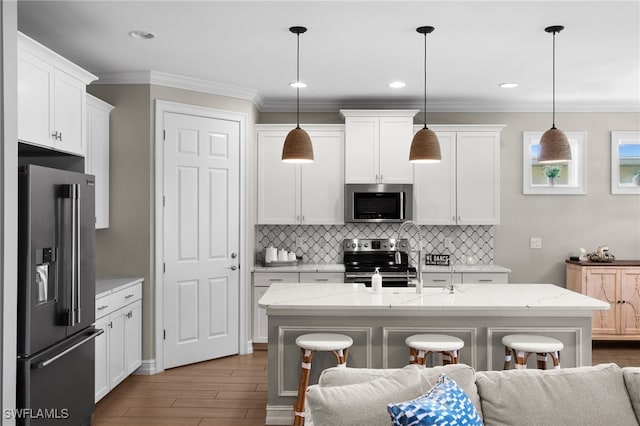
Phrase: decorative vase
[551,180]
[636,180]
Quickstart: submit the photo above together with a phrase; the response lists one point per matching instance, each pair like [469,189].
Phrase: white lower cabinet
[119,348]
[261,283]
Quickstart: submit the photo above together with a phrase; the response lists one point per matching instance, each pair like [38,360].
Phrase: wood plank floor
[233,391]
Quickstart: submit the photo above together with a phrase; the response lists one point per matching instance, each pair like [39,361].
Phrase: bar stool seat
[420,345]
[339,344]
[523,345]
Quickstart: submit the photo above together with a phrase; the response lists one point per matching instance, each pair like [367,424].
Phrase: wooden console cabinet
[617,283]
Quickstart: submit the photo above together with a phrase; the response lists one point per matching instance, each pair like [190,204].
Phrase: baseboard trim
[279,415]
[147,368]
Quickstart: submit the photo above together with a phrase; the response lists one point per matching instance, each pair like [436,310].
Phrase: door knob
[234,255]
[233,267]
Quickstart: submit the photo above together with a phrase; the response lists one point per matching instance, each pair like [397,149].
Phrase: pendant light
[425,147]
[554,146]
[297,145]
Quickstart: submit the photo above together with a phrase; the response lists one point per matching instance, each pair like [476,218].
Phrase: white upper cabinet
[377,144]
[464,189]
[97,159]
[292,194]
[51,98]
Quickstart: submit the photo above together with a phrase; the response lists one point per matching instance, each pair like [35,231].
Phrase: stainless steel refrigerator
[56,297]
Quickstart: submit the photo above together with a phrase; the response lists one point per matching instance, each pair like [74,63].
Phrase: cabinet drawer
[485,277]
[114,301]
[321,277]
[265,279]
[105,305]
[434,279]
[127,295]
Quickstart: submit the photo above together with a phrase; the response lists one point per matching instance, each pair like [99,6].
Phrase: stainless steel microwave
[378,203]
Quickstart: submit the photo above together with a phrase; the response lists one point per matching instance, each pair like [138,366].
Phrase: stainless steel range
[391,256]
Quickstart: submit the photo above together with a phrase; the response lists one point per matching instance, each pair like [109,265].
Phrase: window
[625,162]
[564,178]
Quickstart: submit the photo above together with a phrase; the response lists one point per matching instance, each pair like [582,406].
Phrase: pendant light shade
[425,147]
[297,145]
[554,145]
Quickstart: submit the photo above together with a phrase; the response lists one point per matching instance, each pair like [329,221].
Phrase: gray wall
[127,247]
[564,222]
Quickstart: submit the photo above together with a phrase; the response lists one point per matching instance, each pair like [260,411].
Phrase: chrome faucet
[406,224]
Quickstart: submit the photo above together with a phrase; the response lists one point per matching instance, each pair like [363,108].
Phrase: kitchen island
[479,314]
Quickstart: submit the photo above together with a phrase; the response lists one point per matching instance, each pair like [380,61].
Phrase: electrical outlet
[535,243]
[300,243]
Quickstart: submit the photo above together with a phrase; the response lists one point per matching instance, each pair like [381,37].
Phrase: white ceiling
[353,49]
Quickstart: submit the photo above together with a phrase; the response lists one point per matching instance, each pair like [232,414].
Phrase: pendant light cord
[553,116]
[298,82]
[425,80]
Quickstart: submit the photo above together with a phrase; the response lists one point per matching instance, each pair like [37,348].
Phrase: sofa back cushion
[632,380]
[574,396]
[353,396]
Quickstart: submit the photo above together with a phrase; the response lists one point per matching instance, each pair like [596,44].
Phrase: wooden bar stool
[420,345]
[523,345]
[339,344]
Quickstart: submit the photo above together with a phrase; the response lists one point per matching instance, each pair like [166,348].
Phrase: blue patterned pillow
[444,404]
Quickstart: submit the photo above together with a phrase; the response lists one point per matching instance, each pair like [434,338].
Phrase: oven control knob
[384,244]
[359,244]
[366,244]
[391,245]
[353,245]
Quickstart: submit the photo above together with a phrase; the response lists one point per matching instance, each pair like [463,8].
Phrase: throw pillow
[444,404]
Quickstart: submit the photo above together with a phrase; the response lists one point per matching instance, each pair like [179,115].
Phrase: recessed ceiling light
[508,85]
[299,84]
[145,35]
[397,84]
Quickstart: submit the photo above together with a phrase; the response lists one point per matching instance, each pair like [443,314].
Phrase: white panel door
[478,178]
[133,337]
[202,238]
[396,134]
[69,111]
[322,182]
[102,358]
[35,91]
[278,190]
[434,186]
[362,149]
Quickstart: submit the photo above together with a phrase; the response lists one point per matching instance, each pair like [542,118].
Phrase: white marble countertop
[105,286]
[470,299]
[467,268]
[303,267]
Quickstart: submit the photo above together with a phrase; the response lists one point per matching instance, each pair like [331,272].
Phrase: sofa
[600,395]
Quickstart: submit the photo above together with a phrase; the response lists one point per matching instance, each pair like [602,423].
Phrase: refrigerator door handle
[72,192]
[44,363]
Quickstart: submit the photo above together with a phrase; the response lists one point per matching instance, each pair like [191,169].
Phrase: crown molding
[178,82]
[444,106]
[333,105]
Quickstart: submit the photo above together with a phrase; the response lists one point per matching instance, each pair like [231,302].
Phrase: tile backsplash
[323,243]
